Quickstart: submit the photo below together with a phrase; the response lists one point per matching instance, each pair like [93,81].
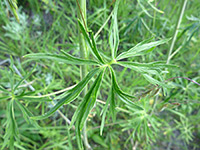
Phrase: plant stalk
[182,10]
[81,10]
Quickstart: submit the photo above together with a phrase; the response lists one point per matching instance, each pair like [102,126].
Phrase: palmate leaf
[85,107]
[141,49]
[92,44]
[66,58]
[73,94]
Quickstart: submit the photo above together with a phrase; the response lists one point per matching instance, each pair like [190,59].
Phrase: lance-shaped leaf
[113,32]
[154,81]
[122,95]
[73,94]
[150,68]
[66,58]
[11,127]
[141,49]
[92,44]
[151,65]
[27,114]
[86,106]
[24,78]
[33,98]
[111,101]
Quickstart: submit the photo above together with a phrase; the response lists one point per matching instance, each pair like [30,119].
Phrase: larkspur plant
[144,123]
[101,63]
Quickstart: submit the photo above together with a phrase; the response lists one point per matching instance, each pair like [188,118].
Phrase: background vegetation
[170,116]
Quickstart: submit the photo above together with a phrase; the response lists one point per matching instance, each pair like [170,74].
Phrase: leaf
[24,78]
[74,93]
[113,32]
[152,65]
[154,81]
[13,6]
[11,127]
[4,98]
[86,106]
[27,114]
[92,44]
[111,101]
[68,59]
[122,95]
[33,98]
[141,49]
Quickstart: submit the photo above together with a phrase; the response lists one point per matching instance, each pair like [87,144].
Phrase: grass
[130,103]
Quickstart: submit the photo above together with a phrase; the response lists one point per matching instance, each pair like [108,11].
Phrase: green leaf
[99,140]
[111,101]
[73,94]
[113,32]
[86,106]
[141,49]
[24,78]
[122,95]
[154,81]
[151,65]
[92,44]
[4,98]
[27,114]
[68,59]
[33,98]
[11,127]
[13,6]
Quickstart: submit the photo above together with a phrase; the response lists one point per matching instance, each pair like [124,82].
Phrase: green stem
[182,10]
[81,6]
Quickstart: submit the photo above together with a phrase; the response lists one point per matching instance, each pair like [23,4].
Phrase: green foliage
[134,98]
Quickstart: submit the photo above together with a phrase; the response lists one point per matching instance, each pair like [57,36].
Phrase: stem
[81,6]
[182,10]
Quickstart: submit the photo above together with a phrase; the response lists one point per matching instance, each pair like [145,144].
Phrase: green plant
[164,105]
[146,69]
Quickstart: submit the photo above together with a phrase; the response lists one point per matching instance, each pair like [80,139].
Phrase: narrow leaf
[74,93]
[24,78]
[68,59]
[141,49]
[154,81]
[113,32]
[27,114]
[85,107]
[123,96]
[92,44]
